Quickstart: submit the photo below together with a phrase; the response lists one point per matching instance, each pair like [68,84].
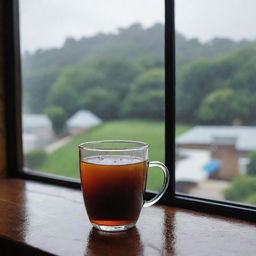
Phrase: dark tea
[113,188]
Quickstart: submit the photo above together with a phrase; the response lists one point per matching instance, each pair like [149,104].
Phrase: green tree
[146,99]
[99,85]
[131,42]
[58,118]
[71,85]
[103,103]
[119,74]
[36,87]
[194,82]
[206,78]
[225,105]
[149,105]
[150,62]
[244,76]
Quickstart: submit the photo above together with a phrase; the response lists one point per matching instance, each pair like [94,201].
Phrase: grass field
[64,161]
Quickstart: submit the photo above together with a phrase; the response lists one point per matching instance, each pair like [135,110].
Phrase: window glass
[91,70]
[216,99]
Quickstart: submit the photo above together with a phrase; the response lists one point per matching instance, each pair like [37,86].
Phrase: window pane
[91,70]
[216,99]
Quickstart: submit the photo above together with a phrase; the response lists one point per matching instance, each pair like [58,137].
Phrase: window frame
[14,128]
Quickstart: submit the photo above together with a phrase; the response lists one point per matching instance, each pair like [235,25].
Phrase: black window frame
[14,128]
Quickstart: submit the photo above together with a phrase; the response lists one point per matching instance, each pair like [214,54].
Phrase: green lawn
[64,161]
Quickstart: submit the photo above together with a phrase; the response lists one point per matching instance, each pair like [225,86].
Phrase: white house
[226,146]
[81,121]
[37,131]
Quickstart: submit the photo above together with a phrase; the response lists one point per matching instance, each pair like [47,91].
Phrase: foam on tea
[112,160]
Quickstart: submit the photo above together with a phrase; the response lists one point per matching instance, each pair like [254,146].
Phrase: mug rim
[86,145]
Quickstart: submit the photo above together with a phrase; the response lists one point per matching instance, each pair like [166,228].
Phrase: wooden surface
[53,219]
[2,128]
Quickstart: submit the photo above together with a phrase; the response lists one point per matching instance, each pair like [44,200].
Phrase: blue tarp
[212,166]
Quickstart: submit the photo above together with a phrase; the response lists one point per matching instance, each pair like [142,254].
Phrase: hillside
[124,72]
[131,42]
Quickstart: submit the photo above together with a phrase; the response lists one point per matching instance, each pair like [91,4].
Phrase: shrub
[251,199]
[241,188]
[58,118]
[35,158]
[251,168]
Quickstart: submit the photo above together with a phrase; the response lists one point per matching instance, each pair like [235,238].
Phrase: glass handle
[165,184]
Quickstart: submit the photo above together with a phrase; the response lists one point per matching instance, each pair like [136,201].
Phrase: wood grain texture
[53,219]
[2,118]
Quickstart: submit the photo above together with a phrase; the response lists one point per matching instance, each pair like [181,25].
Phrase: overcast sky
[46,23]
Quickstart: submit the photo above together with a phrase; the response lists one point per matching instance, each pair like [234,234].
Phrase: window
[89,75]
[215,103]
[175,195]
[215,97]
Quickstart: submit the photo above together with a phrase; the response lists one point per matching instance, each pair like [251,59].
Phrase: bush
[35,158]
[58,118]
[251,199]
[241,188]
[251,168]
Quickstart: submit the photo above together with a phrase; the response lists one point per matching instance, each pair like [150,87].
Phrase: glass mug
[113,179]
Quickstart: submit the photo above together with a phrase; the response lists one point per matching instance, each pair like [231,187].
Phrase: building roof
[30,121]
[242,137]
[83,119]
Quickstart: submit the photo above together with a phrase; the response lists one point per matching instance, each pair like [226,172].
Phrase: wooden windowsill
[47,219]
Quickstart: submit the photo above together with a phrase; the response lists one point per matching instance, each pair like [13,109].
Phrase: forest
[121,75]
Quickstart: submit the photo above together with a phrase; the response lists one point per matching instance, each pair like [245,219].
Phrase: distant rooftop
[242,137]
[30,121]
[83,119]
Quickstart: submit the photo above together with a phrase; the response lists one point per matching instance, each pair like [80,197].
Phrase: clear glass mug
[113,179]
